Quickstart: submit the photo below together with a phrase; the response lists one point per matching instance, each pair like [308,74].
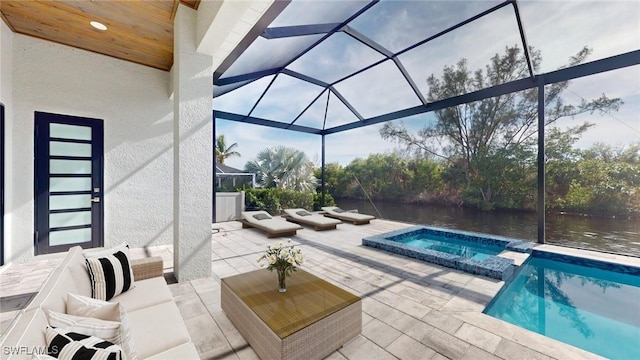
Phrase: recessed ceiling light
[98,25]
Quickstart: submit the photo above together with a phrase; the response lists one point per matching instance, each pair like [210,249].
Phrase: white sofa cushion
[157,329]
[147,293]
[27,331]
[69,277]
[85,306]
[182,352]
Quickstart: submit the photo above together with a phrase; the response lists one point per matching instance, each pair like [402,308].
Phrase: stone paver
[411,309]
[380,333]
[478,337]
[474,353]
[405,347]
[442,321]
[509,350]
[362,348]
[445,344]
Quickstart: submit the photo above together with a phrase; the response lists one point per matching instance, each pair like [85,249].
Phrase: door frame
[41,179]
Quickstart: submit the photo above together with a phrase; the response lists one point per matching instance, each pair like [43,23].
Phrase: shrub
[317,201]
[273,200]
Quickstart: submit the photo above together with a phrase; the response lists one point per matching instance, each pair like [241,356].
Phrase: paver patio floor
[411,309]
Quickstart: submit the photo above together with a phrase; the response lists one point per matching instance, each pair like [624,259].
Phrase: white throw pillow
[85,306]
[110,272]
[67,344]
[107,330]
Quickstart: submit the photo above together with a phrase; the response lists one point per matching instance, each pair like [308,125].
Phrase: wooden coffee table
[312,319]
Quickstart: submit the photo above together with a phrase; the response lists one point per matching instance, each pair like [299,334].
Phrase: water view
[603,234]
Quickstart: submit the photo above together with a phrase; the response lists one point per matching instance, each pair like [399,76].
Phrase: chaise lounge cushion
[311,219]
[269,224]
[355,217]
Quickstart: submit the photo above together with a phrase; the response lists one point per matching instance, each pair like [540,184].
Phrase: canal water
[620,236]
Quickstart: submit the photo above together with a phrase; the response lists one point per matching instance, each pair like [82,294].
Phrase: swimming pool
[589,304]
[467,251]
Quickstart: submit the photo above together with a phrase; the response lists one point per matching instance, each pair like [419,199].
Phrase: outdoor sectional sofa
[156,326]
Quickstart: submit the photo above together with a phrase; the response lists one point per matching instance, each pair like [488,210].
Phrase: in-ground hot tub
[474,253]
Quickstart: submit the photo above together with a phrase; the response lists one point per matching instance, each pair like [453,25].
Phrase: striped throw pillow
[65,344]
[103,329]
[110,275]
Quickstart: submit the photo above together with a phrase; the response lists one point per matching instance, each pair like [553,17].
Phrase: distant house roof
[224,169]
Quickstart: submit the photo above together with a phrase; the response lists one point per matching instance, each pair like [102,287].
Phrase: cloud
[561,28]
[558,28]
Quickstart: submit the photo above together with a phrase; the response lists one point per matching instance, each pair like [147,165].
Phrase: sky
[559,29]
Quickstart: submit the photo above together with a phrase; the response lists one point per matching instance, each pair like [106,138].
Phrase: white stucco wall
[6,96]
[193,158]
[134,103]
[6,43]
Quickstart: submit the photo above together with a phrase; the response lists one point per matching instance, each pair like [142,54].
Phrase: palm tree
[284,168]
[222,151]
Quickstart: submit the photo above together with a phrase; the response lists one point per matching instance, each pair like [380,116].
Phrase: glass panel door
[69,176]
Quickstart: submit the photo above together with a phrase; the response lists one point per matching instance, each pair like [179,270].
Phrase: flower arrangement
[284,259]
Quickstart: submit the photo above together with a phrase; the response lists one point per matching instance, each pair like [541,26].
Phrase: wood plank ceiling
[137,31]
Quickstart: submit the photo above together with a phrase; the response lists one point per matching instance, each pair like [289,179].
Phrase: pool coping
[619,259]
[494,267]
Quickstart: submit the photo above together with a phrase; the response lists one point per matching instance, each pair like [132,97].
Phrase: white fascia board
[223,25]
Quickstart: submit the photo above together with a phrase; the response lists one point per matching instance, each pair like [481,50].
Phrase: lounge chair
[263,221]
[302,216]
[354,217]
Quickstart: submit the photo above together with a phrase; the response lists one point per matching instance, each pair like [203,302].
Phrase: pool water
[589,307]
[474,253]
[465,249]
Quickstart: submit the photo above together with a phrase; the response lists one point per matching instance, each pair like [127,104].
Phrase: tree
[284,168]
[334,179]
[562,159]
[468,135]
[222,151]
[606,181]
